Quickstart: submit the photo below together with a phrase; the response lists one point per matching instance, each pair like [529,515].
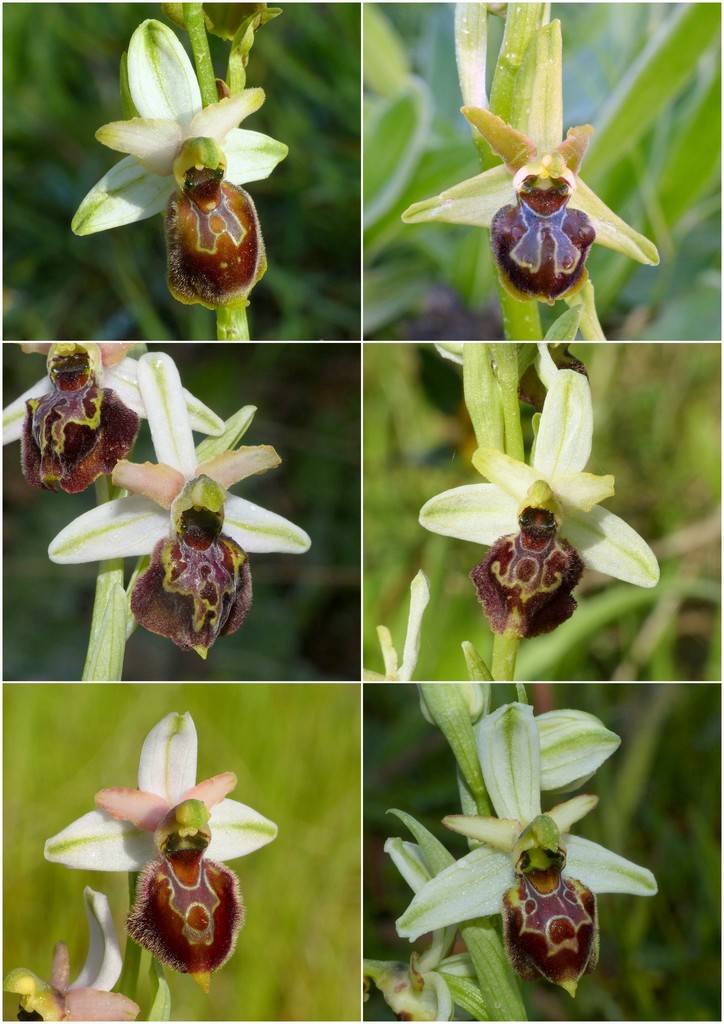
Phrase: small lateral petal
[158,482]
[571,811]
[217,120]
[500,833]
[212,791]
[231,467]
[145,810]
[153,141]
[513,477]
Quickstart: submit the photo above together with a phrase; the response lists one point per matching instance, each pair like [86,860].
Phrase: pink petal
[145,810]
[92,1004]
[212,791]
[231,467]
[114,352]
[160,483]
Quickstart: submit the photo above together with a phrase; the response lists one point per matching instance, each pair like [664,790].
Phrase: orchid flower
[89,997]
[78,421]
[530,868]
[198,585]
[547,513]
[188,910]
[190,161]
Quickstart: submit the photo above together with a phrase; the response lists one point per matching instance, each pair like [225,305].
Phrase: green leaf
[396,139]
[565,327]
[498,985]
[450,710]
[467,996]
[652,82]
[104,663]
[386,68]
[435,854]
[234,429]
[161,1005]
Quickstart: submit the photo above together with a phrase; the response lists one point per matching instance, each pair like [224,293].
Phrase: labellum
[215,248]
[539,245]
[188,910]
[78,431]
[549,922]
[525,582]
[198,585]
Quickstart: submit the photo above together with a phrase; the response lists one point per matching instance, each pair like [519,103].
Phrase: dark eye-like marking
[539,245]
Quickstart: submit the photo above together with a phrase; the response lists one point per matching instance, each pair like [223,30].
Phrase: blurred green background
[61,66]
[295,752]
[304,620]
[646,76]
[657,430]
[660,800]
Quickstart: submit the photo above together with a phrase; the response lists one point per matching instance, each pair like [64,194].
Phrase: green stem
[231,324]
[521,320]
[128,981]
[196,28]
[110,573]
[505,651]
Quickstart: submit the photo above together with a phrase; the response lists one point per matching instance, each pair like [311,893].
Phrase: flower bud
[525,582]
[215,248]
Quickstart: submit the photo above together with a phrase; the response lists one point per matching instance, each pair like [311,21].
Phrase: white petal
[154,141]
[563,444]
[509,751]
[14,414]
[126,194]
[409,861]
[476,512]
[251,156]
[608,544]
[237,830]
[604,871]
[97,842]
[217,120]
[103,963]
[160,75]
[573,745]
[123,379]
[474,202]
[168,758]
[471,887]
[168,418]
[257,529]
[117,529]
